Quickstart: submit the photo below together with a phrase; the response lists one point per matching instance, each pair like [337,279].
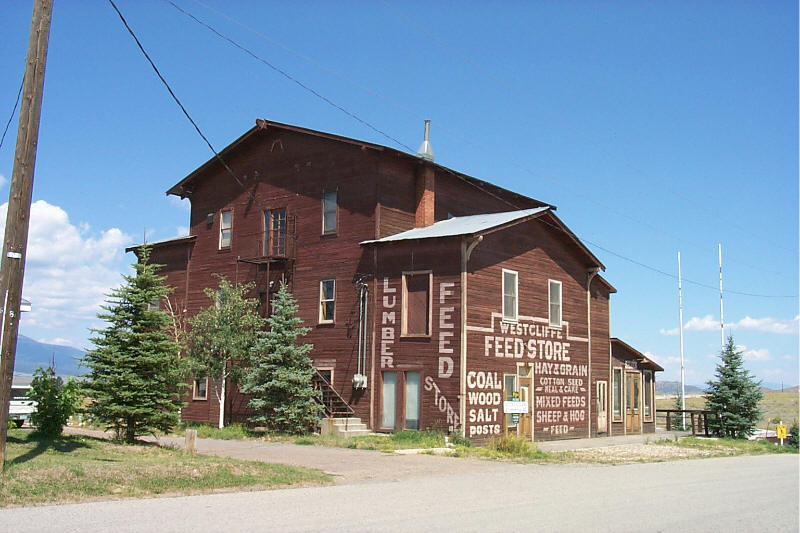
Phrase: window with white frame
[225,229]
[616,395]
[327,300]
[647,378]
[200,389]
[554,299]
[330,207]
[509,295]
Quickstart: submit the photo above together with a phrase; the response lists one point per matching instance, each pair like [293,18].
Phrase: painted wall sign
[388,324]
[560,376]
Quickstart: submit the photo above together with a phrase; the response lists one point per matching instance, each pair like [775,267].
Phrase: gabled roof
[165,242]
[643,360]
[468,225]
[487,223]
[183,187]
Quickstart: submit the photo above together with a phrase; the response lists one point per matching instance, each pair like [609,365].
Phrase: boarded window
[330,207]
[327,299]
[417,303]
[554,291]
[412,400]
[225,229]
[388,400]
[616,394]
[509,295]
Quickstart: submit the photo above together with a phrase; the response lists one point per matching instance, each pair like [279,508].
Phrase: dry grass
[75,468]
[775,405]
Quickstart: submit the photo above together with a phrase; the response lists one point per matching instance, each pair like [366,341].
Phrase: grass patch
[513,448]
[775,405]
[207,431]
[75,468]
[727,446]
[402,440]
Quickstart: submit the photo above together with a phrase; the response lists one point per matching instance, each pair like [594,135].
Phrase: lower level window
[200,389]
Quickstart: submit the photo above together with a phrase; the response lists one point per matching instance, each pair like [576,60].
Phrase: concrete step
[347,427]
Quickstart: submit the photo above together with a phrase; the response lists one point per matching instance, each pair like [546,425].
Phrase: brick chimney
[425,196]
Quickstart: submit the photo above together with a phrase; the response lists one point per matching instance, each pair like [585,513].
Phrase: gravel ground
[637,453]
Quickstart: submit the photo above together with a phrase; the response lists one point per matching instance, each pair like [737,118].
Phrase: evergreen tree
[279,377]
[678,421]
[221,336]
[734,396]
[136,374]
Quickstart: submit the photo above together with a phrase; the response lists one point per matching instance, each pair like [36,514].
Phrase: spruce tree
[135,377]
[734,396]
[221,336]
[279,378]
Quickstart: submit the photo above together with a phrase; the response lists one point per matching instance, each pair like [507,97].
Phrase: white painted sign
[515,407]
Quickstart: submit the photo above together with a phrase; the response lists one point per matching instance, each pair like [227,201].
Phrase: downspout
[589,277]
[466,251]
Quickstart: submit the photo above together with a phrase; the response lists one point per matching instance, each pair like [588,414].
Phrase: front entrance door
[602,406]
[633,402]
[524,427]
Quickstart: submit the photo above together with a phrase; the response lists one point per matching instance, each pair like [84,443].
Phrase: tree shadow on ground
[59,444]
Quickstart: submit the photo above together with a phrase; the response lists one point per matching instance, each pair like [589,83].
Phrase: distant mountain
[671,387]
[31,353]
[776,386]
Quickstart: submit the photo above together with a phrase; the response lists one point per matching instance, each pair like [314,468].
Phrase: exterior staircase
[339,419]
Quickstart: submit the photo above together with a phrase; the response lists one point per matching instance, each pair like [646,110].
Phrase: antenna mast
[680,330]
[721,304]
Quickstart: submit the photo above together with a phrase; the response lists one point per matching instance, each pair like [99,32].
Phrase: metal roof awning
[469,225]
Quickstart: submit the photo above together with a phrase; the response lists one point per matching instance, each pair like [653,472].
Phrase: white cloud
[69,269]
[757,355]
[181,203]
[58,341]
[788,357]
[666,362]
[767,324]
[3,180]
[182,231]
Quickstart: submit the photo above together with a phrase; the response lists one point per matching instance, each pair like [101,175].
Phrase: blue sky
[653,126]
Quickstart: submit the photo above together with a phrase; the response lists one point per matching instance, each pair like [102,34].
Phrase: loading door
[602,409]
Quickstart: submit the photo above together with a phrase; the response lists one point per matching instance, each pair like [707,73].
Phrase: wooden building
[433,297]
[633,382]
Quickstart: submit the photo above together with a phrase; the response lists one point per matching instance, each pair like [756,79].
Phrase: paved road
[732,494]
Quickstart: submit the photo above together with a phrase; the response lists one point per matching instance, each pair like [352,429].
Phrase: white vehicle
[21,407]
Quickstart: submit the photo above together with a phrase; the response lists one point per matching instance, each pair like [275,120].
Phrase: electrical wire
[290,77]
[481,146]
[13,111]
[587,139]
[252,196]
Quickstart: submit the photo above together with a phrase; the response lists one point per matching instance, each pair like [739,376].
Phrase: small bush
[511,445]
[458,440]
[793,439]
[56,401]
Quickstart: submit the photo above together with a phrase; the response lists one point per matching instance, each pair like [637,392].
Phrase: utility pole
[680,329]
[15,242]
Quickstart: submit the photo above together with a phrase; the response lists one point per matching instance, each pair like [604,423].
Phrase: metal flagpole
[721,306]
[680,330]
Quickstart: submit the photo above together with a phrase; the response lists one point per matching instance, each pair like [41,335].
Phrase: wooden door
[633,402]
[524,427]
[602,406]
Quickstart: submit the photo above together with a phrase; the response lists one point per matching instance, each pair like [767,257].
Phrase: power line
[172,93]
[453,133]
[575,131]
[252,196]
[13,111]
[290,77]
[664,273]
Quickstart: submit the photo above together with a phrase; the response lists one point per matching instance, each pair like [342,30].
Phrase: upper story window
[330,216]
[509,295]
[327,300]
[225,229]
[554,298]
[275,232]
[417,303]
